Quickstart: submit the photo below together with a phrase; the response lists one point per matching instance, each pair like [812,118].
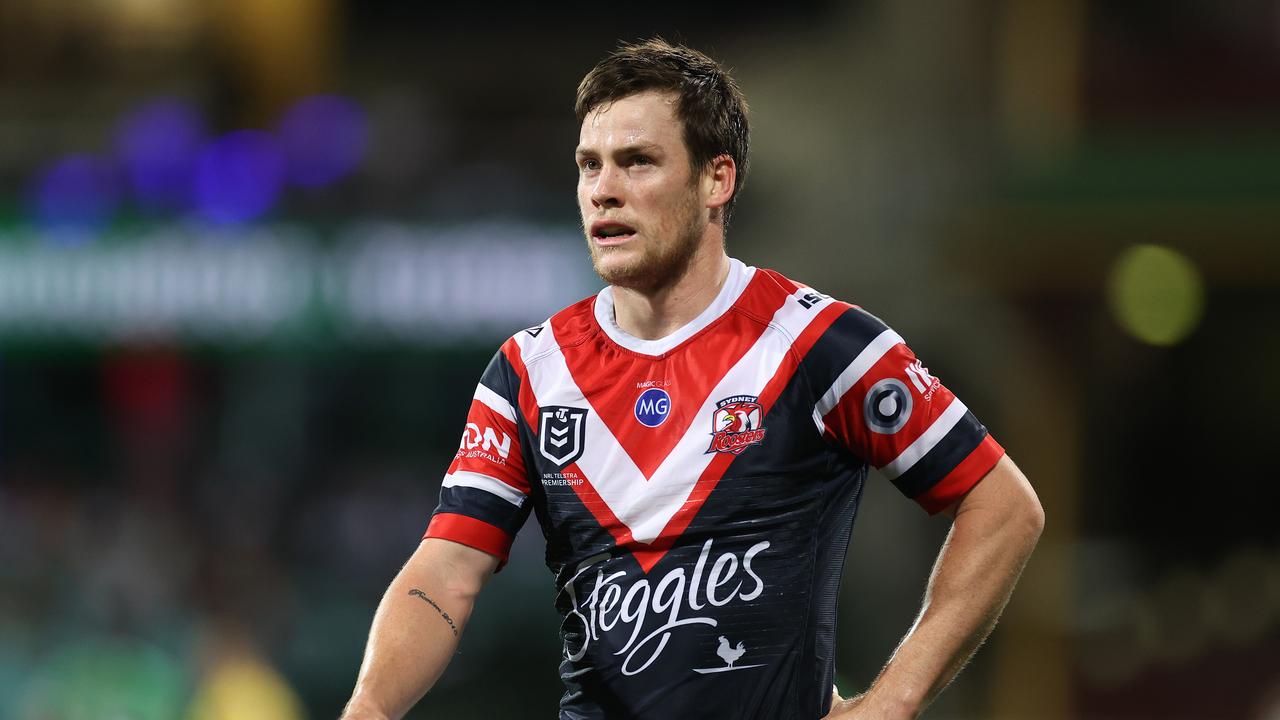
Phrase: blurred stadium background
[255,253]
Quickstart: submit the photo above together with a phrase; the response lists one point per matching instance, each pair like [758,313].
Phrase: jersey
[697,492]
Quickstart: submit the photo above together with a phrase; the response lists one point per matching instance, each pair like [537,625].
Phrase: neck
[655,314]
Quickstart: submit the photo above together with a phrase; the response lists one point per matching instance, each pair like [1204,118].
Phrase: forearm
[414,635]
[970,585]
[966,595]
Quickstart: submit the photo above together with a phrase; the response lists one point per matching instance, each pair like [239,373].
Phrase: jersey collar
[734,284]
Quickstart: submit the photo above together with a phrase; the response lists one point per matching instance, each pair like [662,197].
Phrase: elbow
[455,571]
[463,589]
[1026,513]
[1037,521]
[462,581]
[459,586]
[1031,520]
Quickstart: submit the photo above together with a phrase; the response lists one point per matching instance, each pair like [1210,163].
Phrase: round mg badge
[652,407]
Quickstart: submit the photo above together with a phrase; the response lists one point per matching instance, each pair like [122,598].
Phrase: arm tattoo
[439,609]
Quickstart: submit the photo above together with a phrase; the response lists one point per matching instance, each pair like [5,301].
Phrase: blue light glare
[78,193]
[324,139]
[158,144]
[239,176]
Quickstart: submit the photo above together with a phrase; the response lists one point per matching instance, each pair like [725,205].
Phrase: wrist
[360,708]
[894,703]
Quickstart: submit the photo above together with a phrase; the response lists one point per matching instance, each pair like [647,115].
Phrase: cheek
[674,207]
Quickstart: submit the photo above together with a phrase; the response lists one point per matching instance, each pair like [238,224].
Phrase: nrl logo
[561,433]
[735,424]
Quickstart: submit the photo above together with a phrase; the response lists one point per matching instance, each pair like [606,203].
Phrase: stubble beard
[658,266]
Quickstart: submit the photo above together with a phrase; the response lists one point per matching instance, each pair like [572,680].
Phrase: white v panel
[645,506]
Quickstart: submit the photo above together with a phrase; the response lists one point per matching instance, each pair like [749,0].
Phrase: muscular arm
[416,628]
[996,526]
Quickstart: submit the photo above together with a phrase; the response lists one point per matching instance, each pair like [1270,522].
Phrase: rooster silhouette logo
[730,655]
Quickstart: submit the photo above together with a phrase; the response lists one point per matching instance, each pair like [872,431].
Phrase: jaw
[618,264]
[646,269]
[655,257]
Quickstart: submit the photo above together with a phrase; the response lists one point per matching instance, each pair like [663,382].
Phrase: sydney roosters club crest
[735,424]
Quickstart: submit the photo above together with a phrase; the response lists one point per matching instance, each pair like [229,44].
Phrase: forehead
[647,117]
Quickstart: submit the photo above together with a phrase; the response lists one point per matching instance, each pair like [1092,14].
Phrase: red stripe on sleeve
[472,533]
[847,422]
[491,446]
[963,477]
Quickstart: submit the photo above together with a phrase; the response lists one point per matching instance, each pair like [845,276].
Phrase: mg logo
[652,407]
[561,432]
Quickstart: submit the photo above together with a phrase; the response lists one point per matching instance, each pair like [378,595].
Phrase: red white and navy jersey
[697,492]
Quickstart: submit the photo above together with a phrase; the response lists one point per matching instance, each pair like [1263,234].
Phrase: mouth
[608,232]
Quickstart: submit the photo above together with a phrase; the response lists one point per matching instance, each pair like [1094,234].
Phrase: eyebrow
[631,149]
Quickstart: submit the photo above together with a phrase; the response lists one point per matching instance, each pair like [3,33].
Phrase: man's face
[642,207]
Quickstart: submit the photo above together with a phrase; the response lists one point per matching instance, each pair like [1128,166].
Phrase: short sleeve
[484,496]
[878,400]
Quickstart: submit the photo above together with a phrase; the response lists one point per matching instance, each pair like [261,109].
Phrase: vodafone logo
[477,441]
[887,406]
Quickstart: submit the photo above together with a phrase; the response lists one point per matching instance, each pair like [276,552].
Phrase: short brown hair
[710,105]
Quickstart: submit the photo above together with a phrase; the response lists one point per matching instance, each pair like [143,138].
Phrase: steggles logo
[735,424]
[610,606]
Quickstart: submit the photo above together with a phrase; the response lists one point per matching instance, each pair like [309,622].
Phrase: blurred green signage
[367,282]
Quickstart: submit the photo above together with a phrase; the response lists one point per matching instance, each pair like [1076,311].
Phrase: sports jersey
[697,492]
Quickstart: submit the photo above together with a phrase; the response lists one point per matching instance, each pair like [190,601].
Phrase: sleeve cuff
[471,532]
[962,477]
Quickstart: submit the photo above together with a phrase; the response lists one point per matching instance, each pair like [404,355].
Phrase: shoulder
[571,326]
[771,285]
[774,284]
[828,335]
[800,310]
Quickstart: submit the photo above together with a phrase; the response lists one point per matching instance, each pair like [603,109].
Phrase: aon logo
[486,439]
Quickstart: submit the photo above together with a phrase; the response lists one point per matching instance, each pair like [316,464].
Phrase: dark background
[233,367]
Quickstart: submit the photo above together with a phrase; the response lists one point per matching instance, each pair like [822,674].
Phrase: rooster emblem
[738,419]
[729,654]
[736,424]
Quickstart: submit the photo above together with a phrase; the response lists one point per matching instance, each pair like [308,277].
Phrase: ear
[719,182]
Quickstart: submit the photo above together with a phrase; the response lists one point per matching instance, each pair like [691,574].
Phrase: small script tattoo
[439,609]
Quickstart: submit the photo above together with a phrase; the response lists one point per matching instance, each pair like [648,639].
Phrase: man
[693,442]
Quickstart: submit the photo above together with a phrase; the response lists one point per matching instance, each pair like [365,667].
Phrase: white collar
[734,284]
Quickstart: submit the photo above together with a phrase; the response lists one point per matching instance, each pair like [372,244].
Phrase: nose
[607,191]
